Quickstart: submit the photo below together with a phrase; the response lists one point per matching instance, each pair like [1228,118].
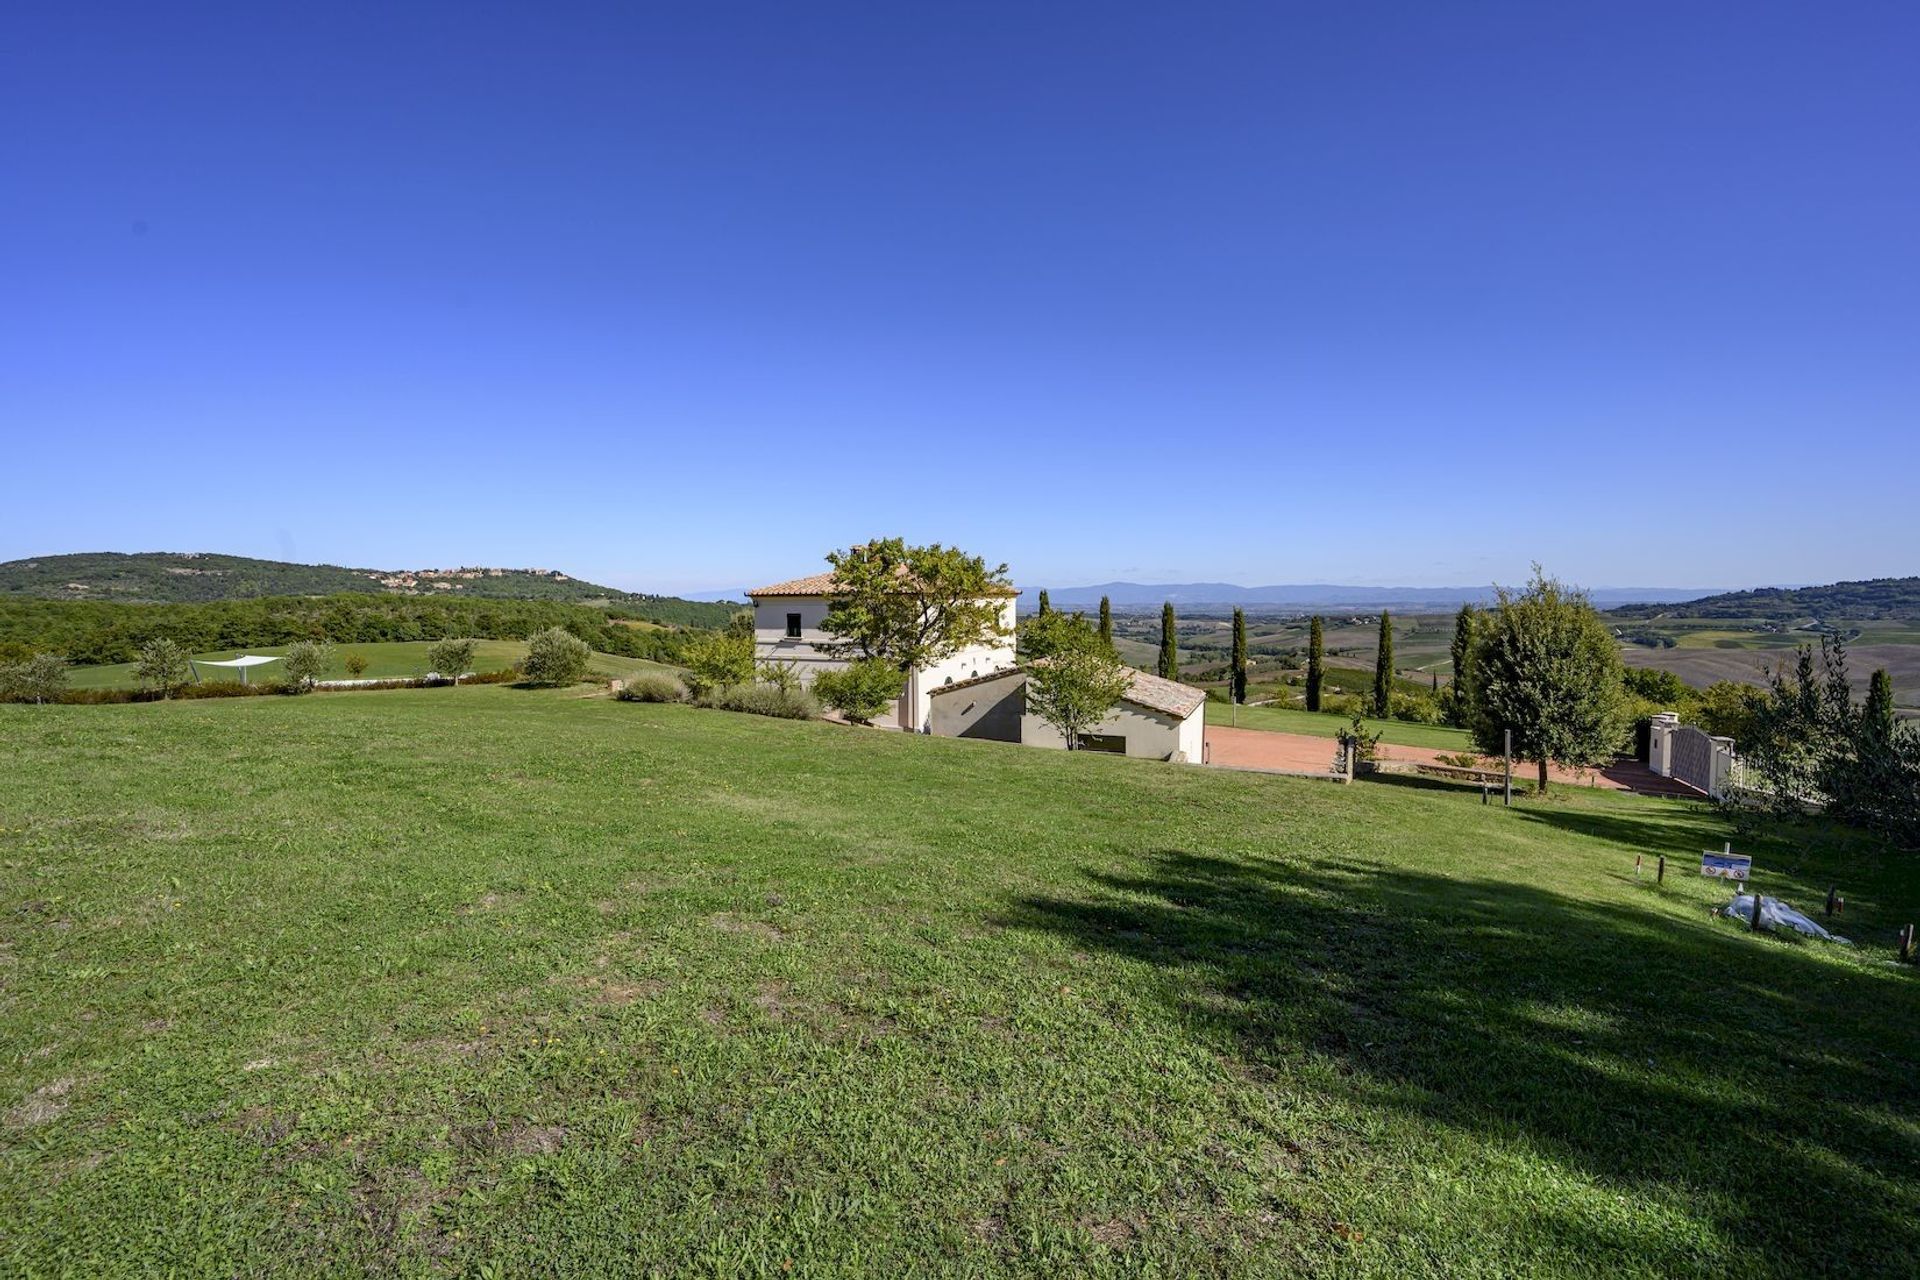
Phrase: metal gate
[1693,758]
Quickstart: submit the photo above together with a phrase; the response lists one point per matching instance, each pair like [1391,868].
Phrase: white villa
[980,692]
[786,628]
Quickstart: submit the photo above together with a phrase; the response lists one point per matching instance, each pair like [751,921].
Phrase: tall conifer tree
[1383,668]
[1106,621]
[1239,680]
[1046,605]
[1316,662]
[1169,646]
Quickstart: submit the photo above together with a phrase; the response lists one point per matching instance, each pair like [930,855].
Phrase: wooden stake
[1636,866]
[1833,898]
[1906,945]
[1660,875]
[1509,766]
[1756,907]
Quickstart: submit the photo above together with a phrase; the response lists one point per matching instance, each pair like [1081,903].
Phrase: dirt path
[1299,752]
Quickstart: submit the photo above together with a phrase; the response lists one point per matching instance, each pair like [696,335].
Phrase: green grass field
[515,982]
[387,660]
[1322,724]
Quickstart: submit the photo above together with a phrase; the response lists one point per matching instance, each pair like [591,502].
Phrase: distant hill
[171,577]
[1889,598]
[1133,596]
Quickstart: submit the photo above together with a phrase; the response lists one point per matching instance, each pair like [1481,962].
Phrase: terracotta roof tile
[1169,697]
[822,584]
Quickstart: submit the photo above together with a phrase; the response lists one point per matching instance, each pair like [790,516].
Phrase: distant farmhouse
[979,692]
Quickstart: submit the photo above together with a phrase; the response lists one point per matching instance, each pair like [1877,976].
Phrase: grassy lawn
[1325,725]
[533,983]
[385,660]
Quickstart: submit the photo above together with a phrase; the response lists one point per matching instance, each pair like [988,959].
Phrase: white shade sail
[249,660]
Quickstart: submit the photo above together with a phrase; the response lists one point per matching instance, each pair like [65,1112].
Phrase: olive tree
[718,660]
[556,656]
[40,678]
[304,664]
[163,666]
[450,658]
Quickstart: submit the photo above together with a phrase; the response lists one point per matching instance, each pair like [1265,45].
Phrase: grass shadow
[1650,1053]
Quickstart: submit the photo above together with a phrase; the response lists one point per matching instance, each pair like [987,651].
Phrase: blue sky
[683,296]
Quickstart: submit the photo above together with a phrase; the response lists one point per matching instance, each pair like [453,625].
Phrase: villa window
[793,626]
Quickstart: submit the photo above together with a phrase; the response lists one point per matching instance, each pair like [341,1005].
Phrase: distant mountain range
[1135,596]
[174,577]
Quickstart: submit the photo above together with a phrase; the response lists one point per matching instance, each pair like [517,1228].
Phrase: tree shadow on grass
[1739,1077]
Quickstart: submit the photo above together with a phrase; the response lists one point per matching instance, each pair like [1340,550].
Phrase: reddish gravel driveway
[1302,753]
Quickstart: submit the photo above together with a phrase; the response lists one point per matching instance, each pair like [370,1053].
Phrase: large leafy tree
[1316,661]
[450,658]
[1238,679]
[1074,678]
[912,606]
[1169,644]
[1547,667]
[1383,668]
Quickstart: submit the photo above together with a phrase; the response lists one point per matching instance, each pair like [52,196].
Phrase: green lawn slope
[513,982]
[386,660]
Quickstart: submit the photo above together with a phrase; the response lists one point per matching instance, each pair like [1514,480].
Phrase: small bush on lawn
[652,688]
[861,690]
[763,700]
[556,656]
[41,678]
[306,660]
[450,658]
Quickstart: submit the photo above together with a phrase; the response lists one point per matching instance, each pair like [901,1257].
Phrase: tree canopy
[1548,668]
[1074,678]
[910,607]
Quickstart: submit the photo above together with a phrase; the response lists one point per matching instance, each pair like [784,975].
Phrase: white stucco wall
[1150,735]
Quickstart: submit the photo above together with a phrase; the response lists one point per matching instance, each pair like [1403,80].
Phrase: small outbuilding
[1156,719]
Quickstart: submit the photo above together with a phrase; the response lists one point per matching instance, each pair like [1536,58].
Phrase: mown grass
[386,660]
[1322,724]
[549,984]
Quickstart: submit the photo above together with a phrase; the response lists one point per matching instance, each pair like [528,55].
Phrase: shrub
[718,659]
[556,656]
[304,663]
[1417,708]
[450,658]
[652,688]
[763,700]
[356,665]
[861,690]
[163,666]
[41,678]
[781,675]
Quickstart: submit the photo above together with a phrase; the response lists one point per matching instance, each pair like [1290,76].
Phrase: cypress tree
[1876,717]
[1316,663]
[1383,668]
[1169,647]
[1239,680]
[1464,624]
[1106,621]
[1046,605]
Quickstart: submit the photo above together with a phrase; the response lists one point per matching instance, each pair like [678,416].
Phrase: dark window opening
[793,626]
[1115,743]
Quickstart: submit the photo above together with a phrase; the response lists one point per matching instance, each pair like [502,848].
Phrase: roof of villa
[1155,693]
[822,584]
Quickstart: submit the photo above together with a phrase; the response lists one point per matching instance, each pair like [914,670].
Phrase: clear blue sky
[683,296]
